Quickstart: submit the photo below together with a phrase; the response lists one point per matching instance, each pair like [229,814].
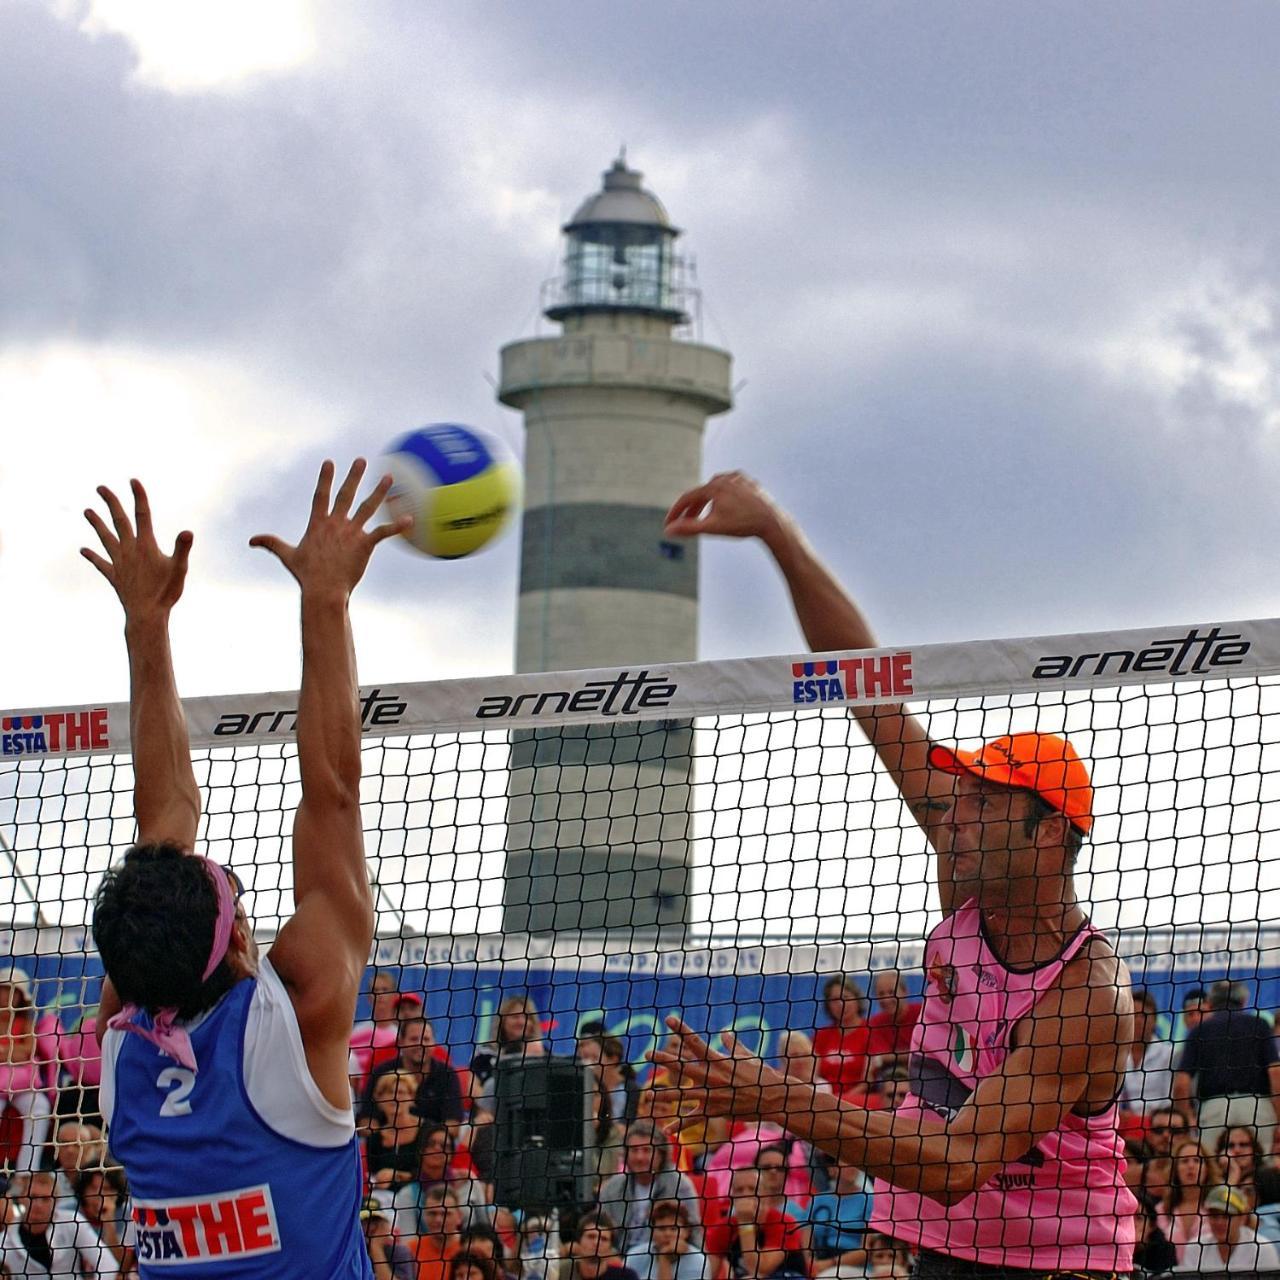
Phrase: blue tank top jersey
[216,1192]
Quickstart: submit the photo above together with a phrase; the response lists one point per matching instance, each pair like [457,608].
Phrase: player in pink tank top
[1005,1160]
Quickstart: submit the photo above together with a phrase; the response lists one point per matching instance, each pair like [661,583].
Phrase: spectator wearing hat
[439,1098]
[1230,1242]
[25,1104]
[1229,1068]
[374,1042]
[392,1259]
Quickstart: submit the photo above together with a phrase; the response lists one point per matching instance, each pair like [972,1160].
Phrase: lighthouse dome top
[622,199]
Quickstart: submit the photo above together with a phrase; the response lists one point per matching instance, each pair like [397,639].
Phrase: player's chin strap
[166,1037]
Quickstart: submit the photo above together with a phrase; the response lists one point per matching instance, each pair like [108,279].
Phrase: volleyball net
[712,838]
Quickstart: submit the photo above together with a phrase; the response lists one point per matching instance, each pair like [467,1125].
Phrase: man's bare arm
[1077,1030]
[149,583]
[733,505]
[321,951]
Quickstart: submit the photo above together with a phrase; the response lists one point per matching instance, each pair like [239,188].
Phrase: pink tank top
[1065,1204]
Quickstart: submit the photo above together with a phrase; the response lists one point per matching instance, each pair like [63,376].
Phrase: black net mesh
[548,897]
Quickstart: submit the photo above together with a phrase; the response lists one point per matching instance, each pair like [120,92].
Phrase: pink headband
[168,1038]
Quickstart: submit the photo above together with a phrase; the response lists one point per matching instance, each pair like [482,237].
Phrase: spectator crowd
[660,1195]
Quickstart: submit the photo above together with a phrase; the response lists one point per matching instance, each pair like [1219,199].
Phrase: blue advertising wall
[633,995]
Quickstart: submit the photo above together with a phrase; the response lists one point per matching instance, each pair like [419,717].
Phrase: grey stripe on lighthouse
[605,544]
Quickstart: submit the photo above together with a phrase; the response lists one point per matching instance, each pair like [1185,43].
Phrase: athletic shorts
[927,1265]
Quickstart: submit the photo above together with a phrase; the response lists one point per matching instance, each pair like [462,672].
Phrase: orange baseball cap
[1039,762]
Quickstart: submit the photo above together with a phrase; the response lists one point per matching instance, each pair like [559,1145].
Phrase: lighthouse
[614,407]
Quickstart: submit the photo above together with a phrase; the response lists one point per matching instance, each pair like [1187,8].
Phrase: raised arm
[321,951]
[733,505]
[166,800]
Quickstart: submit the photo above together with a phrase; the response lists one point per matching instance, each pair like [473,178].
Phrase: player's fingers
[277,546]
[375,499]
[124,529]
[385,531]
[324,487]
[104,567]
[141,508]
[109,540]
[684,527]
[347,492]
[733,1046]
[692,1045]
[690,502]
[182,549]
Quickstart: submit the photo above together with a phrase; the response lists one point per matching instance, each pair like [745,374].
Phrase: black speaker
[544,1127]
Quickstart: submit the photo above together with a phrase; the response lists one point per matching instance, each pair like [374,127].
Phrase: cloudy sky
[1001,281]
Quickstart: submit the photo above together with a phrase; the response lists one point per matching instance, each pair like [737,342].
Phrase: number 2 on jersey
[179,1081]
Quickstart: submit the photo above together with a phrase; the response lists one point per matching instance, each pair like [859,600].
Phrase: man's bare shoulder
[1095,983]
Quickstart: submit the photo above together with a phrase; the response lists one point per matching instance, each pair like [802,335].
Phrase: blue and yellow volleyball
[460,485]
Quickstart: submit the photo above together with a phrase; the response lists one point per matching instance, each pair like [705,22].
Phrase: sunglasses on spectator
[1166,1127]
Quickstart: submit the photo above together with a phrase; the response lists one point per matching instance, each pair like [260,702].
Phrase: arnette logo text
[1195,654]
[626,694]
[378,710]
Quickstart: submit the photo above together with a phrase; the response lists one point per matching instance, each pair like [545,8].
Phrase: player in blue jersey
[224,1079]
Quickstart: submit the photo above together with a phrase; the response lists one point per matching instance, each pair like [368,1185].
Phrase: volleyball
[460,485]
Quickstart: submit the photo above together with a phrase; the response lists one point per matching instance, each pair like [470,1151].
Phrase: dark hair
[153,922]
[1042,809]
[1171,1112]
[1228,995]
[1196,993]
[771,1148]
[483,1231]
[611,1047]
[1143,997]
[462,1261]
[842,982]
[1224,1141]
[669,1211]
[599,1219]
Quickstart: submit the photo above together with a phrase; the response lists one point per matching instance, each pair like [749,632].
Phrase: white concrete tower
[614,409]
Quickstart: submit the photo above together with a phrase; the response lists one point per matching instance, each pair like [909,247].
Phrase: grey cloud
[1047,173]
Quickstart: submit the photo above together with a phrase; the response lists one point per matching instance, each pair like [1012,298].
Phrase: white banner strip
[659,691]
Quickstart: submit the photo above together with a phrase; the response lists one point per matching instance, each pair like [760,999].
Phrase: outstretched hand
[730,504]
[735,1083]
[145,579]
[334,552]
